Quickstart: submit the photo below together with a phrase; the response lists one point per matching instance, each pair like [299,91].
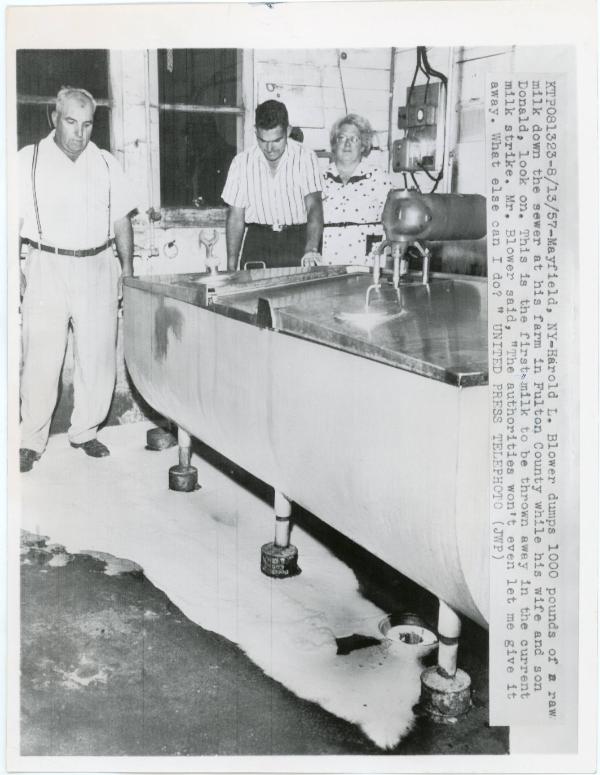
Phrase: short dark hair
[271,114]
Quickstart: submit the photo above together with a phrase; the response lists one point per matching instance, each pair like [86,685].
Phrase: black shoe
[27,458]
[93,448]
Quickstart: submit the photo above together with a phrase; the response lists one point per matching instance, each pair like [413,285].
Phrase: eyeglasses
[342,139]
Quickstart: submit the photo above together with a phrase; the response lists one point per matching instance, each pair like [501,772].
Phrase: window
[200,120]
[42,73]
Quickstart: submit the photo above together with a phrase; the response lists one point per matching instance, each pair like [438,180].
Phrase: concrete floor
[174,689]
[110,666]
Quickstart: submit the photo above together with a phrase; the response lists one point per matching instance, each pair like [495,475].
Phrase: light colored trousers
[63,289]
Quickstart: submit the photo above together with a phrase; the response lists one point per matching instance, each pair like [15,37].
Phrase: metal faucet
[399,249]
[400,262]
[426,257]
[209,242]
[376,285]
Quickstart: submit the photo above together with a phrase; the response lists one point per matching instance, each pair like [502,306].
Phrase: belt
[277,226]
[76,253]
[353,223]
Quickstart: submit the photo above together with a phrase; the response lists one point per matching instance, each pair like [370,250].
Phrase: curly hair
[271,114]
[364,127]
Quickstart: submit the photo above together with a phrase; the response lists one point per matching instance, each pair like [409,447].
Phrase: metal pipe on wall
[450,119]
[391,106]
[152,249]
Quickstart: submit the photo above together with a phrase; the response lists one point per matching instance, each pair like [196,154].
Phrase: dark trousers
[275,248]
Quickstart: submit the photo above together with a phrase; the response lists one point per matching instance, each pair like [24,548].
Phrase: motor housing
[409,216]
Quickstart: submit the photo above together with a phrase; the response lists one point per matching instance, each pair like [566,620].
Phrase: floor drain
[411,638]
[408,632]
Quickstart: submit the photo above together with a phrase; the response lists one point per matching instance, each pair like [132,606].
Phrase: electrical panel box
[419,118]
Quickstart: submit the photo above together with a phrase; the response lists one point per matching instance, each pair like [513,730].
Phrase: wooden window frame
[216,215]
[49,100]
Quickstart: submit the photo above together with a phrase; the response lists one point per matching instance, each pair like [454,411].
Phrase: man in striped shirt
[274,188]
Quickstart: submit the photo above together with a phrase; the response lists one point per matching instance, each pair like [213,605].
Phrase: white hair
[70,91]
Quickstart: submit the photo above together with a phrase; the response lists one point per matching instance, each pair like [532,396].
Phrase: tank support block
[445,688]
[279,558]
[183,477]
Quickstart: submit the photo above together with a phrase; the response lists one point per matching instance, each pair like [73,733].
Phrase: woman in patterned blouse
[354,193]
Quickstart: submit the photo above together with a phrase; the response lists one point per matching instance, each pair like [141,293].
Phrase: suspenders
[36,149]
[34,161]
[109,195]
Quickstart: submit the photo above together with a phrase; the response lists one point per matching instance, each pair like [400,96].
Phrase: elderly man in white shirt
[75,208]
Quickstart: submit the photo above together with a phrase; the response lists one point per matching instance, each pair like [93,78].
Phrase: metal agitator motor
[409,217]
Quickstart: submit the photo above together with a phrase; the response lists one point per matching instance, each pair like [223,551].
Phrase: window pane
[196,150]
[33,123]
[43,72]
[198,76]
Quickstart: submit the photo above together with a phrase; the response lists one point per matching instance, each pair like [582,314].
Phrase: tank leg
[183,477]
[445,688]
[279,558]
